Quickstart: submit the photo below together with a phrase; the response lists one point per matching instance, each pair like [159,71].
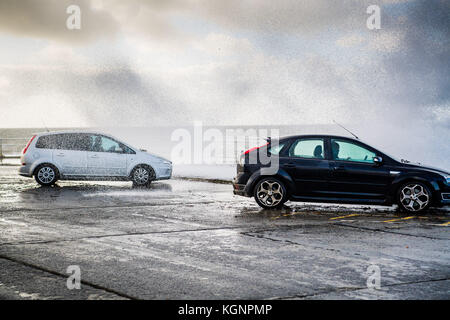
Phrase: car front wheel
[142,176]
[270,193]
[46,175]
[414,197]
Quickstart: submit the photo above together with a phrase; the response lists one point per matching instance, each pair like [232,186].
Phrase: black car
[325,168]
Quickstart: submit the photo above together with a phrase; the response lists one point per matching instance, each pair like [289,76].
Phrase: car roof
[331,137]
[42,134]
[72,131]
[317,136]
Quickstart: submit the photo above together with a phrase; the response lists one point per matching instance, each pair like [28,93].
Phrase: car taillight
[255,148]
[28,144]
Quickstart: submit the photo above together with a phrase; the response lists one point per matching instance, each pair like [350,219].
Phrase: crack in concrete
[249,234]
[350,289]
[115,235]
[107,207]
[388,231]
[62,275]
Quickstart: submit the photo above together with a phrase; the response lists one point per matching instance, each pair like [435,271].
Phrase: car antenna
[44,125]
[346,130]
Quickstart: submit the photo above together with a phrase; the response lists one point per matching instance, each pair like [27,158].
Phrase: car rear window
[275,150]
[48,142]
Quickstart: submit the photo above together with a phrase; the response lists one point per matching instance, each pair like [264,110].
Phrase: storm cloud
[229,62]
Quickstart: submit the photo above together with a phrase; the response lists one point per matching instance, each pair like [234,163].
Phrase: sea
[199,144]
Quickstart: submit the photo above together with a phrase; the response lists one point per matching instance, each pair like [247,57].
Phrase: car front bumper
[442,195]
[444,199]
[165,173]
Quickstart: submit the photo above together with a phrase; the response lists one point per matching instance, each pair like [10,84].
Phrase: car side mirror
[378,160]
[143,150]
[119,150]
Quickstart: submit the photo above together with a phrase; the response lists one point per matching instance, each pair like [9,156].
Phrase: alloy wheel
[141,175]
[46,175]
[414,197]
[270,193]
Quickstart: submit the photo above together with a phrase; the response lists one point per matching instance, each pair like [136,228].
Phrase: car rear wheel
[142,176]
[46,174]
[270,193]
[414,197]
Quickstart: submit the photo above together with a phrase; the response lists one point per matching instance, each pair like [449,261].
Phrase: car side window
[104,144]
[347,151]
[307,148]
[74,141]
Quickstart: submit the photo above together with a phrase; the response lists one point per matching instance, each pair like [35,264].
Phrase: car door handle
[94,156]
[290,165]
[60,154]
[339,168]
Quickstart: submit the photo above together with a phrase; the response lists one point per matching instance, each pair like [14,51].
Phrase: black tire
[46,174]
[142,176]
[414,197]
[270,193]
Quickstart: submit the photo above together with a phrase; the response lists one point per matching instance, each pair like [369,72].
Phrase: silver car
[66,155]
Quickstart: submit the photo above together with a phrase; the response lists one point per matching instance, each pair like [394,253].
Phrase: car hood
[153,157]
[427,168]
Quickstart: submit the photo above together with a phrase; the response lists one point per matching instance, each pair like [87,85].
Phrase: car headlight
[447,178]
[167,162]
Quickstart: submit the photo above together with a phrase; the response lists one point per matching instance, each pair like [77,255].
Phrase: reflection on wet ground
[59,190]
[195,240]
[18,192]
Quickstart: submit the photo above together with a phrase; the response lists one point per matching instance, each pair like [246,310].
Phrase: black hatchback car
[324,168]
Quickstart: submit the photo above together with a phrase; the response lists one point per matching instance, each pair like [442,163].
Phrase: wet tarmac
[195,240]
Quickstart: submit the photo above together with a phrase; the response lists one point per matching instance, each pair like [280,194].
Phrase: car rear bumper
[239,190]
[25,170]
[240,183]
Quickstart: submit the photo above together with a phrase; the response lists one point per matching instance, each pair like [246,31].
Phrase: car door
[307,163]
[69,153]
[355,175]
[106,157]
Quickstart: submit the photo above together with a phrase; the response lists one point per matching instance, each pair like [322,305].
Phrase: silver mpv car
[66,155]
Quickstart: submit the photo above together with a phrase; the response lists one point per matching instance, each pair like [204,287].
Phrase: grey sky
[138,63]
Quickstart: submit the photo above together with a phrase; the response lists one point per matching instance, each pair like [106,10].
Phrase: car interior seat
[318,152]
